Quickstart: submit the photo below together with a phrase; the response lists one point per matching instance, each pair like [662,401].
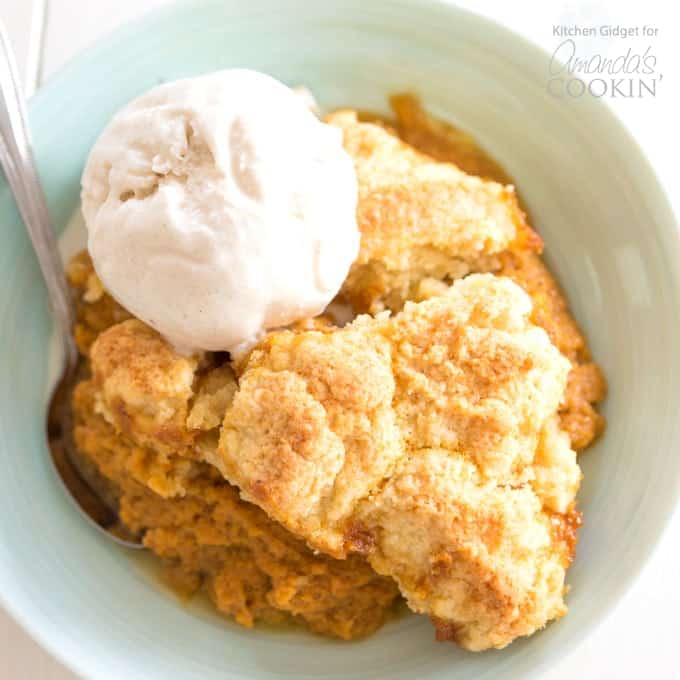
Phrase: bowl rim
[449,10]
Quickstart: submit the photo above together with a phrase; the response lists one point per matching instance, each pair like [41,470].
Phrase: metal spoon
[82,484]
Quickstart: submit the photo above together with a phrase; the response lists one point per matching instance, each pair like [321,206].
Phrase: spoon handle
[16,159]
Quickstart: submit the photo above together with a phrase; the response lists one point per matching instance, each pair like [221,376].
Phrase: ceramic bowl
[611,239]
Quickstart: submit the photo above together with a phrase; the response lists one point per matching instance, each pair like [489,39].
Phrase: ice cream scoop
[218,207]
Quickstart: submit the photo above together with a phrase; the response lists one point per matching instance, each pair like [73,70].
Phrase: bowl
[611,239]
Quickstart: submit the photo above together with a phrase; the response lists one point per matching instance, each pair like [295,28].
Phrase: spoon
[82,484]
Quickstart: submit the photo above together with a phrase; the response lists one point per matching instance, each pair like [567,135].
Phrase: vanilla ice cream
[218,207]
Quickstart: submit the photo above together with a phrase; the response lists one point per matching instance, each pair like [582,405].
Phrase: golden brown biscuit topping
[438,443]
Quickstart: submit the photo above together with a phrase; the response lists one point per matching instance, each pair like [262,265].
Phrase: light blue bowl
[610,237]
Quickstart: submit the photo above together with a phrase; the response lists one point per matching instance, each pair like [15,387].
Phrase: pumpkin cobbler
[426,450]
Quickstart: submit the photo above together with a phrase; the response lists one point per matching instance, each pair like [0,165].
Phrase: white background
[641,639]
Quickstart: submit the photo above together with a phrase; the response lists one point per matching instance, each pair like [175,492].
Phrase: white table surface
[641,639]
